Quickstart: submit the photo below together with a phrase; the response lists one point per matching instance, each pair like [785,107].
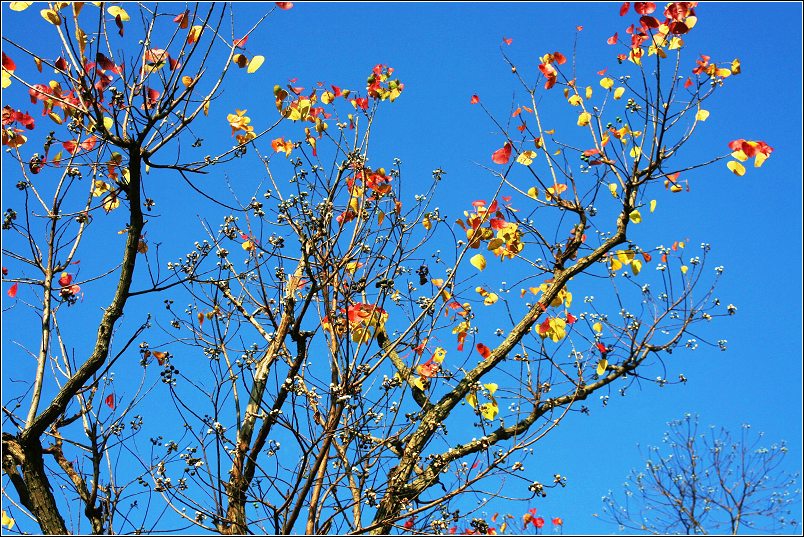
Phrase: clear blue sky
[444,53]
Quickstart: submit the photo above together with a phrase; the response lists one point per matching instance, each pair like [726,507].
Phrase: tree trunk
[33,486]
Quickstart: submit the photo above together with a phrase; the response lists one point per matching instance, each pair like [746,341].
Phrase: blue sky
[444,53]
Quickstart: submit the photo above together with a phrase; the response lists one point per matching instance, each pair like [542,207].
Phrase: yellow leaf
[194,33]
[206,107]
[255,63]
[584,118]
[606,83]
[597,327]
[6,79]
[478,261]
[81,37]
[417,382]
[625,256]
[110,202]
[613,189]
[618,93]
[426,223]
[186,80]
[490,299]
[601,367]
[575,100]
[702,115]
[533,192]
[635,152]
[7,521]
[52,16]
[615,264]
[736,168]
[526,157]
[108,123]
[759,159]
[17,6]
[472,400]
[491,387]
[489,410]
[635,217]
[636,266]
[588,92]
[735,65]
[652,205]
[684,269]
[248,246]
[439,355]
[116,11]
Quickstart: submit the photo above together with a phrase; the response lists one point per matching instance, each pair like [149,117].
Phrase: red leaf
[8,63]
[571,318]
[644,8]
[241,43]
[483,350]
[5,271]
[502,155]
[647,257]
[590,152]
[474,100]
[602,348]
[119,22]
[650,22]
[66,279]
[183,19]
[678,28]
[110,401]
[284,5]
[507,40]
[624,8]
[688,83]
[409,522]
[559,58]
[12,292]
[612,40]
[678,11]
[89,143]
[61,64]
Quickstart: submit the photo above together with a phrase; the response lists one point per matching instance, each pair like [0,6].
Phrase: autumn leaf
[160,356]
[117,11]
[736,168]
[483,350]
[255,63]
[584,118]
[284,5]
[478,261]
[502,155]
[474,100]
[7,521]
[635,216]
[110,401]
[12,291]
[526,157]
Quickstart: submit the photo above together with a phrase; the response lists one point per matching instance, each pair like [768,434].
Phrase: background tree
[702,482]
[336,368]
